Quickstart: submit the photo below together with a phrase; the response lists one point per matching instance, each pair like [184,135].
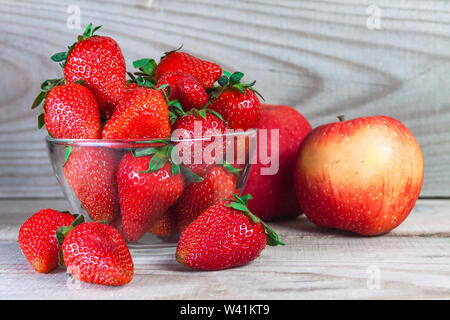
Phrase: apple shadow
[307,228]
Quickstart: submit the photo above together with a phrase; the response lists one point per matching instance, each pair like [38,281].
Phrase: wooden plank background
[318,56]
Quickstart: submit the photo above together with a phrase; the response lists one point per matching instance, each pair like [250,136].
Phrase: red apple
[274,195]
[362,175]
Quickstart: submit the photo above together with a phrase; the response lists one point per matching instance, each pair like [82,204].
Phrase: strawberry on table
[96,253]
[142,113]
[148,186]
[98,61]
[91,173]
[236,102]
[70,111]
[218,184]
[37,238]
[186,88]
[175,61]
[225,235]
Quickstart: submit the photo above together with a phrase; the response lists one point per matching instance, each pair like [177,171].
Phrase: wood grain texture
[413,262]
[318,56]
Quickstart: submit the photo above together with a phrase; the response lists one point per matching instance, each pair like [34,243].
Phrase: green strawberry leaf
[190,175]
[48,84]
[58,57]
[236,77]
[79,219]
[176,107]
[81,82]
[223,80]
[62,232]
[60,235]
[231,169]
[255,91]
[41,120]
[132,77]
[87,31]
[161,87]
[61,258]
[272,237]
[67,154]
[38,100]
[175,169]
[157,161]
[240,87]
[240,207]
[146,65]
[141,62]
[95,29]
[144,152]
[225,72]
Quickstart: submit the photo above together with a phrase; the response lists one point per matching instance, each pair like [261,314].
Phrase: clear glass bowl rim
[138,142]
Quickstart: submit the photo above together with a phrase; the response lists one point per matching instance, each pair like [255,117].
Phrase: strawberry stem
[145,76]
[161,155]
[171,51]
[233,80]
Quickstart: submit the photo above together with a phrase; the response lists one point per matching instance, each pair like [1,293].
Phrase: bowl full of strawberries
[146,151]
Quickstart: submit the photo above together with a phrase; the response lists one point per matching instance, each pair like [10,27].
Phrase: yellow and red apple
[363,175]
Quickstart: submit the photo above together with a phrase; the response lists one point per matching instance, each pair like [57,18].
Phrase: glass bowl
[107,180]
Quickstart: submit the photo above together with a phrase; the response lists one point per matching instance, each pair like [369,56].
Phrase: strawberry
[166,225]
[217,185]
[37,238]
[226,235]
[148,186]
[186,88]
[204,124]
[69,110]
[96,253]
[98,61]
[91,173]
[204,71]
[237,103]
[142,113]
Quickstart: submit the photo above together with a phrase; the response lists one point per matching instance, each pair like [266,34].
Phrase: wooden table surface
[410,262]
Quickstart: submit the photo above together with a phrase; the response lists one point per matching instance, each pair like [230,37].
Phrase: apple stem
[341,118]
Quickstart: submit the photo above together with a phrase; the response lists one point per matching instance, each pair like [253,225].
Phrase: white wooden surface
[318,56]
[412,262]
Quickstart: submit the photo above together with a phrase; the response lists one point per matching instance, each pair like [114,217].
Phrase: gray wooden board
[318,56]
[410,262]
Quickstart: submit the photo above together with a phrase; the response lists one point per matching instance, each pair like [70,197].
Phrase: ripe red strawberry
[147,188]
[237,103]
[69,111]
[37,238]
[199,124]
[225,235]
[96,253]
[218,184]
[142,113]
[98,61]
[204,71]
[166,225]
[91,173]
[186,88]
